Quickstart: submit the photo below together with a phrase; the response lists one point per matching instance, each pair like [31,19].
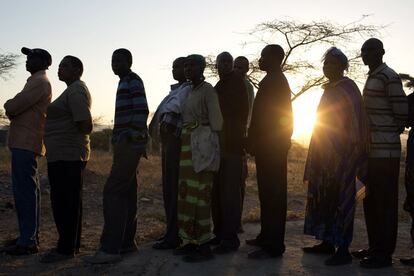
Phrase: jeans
[26,191]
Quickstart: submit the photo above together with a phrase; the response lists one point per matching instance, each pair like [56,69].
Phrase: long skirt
[194,197]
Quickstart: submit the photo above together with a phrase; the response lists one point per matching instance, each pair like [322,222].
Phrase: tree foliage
[8,62]
[409,80]
[299,39]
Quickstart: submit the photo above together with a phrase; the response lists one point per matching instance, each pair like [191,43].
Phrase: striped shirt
[131,112]
[387,109]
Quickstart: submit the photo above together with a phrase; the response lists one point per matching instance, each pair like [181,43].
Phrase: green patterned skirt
[194,197]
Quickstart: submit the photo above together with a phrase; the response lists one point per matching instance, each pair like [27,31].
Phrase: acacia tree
[409,80]
[298,39]
[8,62]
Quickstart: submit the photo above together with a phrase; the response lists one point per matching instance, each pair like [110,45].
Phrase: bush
[101,139]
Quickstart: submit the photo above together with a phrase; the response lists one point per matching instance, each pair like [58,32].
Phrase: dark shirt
[410,123]
[234,106]
[272,120]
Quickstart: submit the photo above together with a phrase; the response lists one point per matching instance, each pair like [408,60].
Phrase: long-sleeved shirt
[169,110]
[131,112]
[202,106]
[234,105]
[387,108]
[27,113]
[250,97]
[272,120]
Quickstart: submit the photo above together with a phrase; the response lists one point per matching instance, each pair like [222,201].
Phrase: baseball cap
[43,54]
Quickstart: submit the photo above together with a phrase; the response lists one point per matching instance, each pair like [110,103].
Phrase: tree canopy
[8,62]
[299,39]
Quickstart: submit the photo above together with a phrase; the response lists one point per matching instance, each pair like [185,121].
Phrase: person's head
[121,62]
[224,63]
[241,65]
[70,69]
[271,58]
[37,59]
[334,63]
[178,69]
[194,66]
[372,52]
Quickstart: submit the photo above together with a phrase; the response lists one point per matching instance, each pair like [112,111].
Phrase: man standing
[241,66]
[226,193]
[387,109]
[129,141]
[269,141]
[27,114]
[167,120]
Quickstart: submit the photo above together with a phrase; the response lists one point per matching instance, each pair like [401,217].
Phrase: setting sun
[304,114]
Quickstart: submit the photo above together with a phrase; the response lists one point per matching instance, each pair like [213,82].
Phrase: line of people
[205,133]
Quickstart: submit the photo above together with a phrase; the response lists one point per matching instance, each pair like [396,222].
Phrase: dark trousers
[381,205]
[66,182]
[271,167]
[120,200]
[226,200]
[245,174]
[171,147]
[26,192]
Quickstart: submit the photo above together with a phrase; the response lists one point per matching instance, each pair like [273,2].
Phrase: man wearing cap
[27,114]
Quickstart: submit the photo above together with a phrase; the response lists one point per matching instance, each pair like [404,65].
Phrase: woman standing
[338,148]
[68,125]
[199,160]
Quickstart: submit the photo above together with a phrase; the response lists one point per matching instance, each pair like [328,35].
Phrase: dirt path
[151,262]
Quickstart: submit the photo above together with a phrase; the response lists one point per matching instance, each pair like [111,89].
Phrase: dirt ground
[151,226]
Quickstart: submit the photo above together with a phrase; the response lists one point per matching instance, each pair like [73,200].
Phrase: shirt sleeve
[214,112]
[139,105]
[398,100]
[29,96]
[80,104]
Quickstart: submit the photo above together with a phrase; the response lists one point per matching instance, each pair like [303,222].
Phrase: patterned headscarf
[338,54]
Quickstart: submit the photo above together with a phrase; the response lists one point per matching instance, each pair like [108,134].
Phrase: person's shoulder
[390,73]
[208,86]
[135,82]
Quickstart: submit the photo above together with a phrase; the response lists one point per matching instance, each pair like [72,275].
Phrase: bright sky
[158,31]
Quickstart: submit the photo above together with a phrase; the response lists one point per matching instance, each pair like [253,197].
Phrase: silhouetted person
[27,114]
[129,141]
[387,109]
[241,66]
[269,141]
[68,125]
[168,122]
[199,159]
[409,173]
[226,200]
[338,148]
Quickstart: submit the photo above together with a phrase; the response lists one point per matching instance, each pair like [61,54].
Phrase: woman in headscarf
[199,159]
[337,150]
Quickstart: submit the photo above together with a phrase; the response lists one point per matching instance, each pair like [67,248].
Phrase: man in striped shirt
[387,109]
[129,141]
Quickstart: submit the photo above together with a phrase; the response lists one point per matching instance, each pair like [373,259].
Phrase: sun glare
[304,112]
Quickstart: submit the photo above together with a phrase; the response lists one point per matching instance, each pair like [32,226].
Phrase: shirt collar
[37,74]
[378,69]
